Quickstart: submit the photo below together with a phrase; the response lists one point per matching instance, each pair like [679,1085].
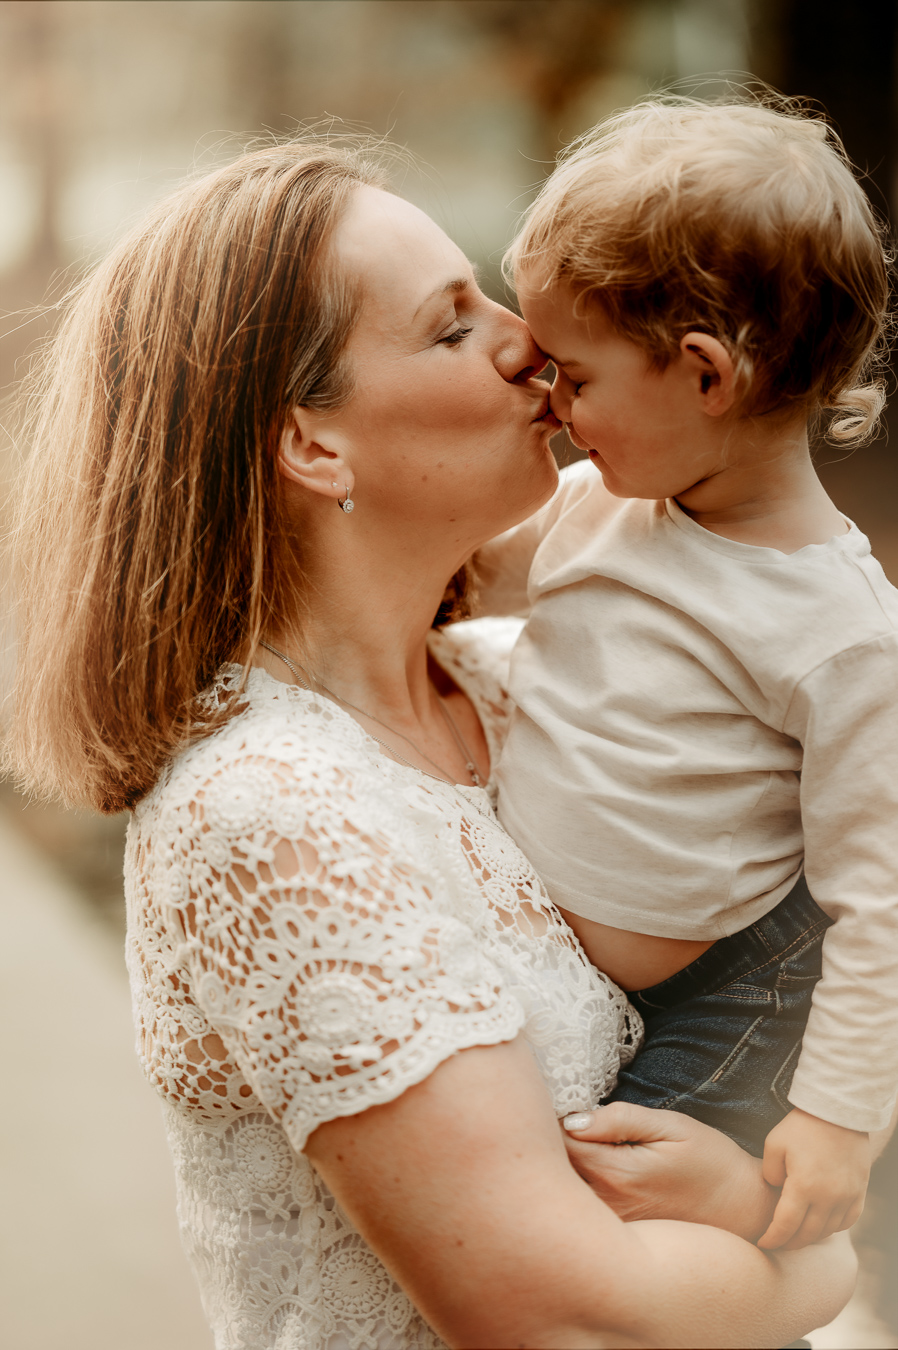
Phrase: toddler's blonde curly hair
[742,219]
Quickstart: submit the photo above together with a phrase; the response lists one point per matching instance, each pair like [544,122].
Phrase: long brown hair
[148,512]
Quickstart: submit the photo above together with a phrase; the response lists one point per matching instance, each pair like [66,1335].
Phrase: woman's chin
[530,489]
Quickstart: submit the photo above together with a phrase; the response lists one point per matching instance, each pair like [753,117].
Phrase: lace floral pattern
[313,928]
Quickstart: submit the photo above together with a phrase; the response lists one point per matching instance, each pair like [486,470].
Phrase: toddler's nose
[560,398]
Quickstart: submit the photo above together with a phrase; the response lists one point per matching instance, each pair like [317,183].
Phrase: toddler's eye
[454,338]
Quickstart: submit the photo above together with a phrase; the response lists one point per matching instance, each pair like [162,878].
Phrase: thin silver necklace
[445,777]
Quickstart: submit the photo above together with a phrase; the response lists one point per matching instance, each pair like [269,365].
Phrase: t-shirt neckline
[852,541]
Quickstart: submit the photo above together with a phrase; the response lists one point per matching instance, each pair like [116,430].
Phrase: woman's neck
[364,656]
[362,638]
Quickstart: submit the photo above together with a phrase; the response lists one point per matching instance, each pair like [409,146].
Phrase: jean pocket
[804,965]
[742,992]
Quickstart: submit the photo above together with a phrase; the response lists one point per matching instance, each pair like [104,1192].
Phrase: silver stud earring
[346,504]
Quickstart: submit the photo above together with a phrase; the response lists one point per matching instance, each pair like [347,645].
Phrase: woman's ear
[710,366]
[312,455]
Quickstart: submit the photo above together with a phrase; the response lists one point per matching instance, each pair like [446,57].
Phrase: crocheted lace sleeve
[315,912]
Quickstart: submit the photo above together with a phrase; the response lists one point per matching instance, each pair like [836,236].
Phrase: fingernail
[580,1120]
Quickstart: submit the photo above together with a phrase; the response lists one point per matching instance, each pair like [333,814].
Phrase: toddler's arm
[843,714]
[823,1170]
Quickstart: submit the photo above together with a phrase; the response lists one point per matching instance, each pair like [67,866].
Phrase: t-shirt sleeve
[845,713]
[321,951]
[503,565]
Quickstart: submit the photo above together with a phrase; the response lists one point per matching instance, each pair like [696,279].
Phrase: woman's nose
[518,358]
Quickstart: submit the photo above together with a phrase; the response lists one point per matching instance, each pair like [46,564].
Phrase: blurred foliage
[551,50]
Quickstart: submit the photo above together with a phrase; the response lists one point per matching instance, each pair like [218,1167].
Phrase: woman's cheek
[502,409]
[463,415]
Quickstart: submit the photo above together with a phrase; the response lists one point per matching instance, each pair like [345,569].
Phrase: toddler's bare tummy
[633,960]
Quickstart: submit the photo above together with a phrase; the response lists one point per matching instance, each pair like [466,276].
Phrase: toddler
[703,760]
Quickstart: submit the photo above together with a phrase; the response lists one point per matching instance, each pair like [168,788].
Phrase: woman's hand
[650,1164]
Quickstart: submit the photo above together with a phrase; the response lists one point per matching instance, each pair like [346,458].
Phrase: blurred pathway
[89,1251]
[856,1328]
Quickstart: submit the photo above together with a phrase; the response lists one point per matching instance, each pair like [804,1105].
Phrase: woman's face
[447,432]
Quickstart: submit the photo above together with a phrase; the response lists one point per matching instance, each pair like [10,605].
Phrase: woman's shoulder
[281,744]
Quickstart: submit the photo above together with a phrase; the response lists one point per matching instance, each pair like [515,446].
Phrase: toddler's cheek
[577,438]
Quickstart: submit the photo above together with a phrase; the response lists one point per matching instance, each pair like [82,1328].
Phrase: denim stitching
[783,1100]
[721,1068]
[809,933]
[744,993]
[748,997]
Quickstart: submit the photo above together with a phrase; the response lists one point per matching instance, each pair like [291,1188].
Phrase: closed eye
[454,338]
[563,374]
[577,384]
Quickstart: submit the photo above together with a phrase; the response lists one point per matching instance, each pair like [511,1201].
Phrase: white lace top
[313,928]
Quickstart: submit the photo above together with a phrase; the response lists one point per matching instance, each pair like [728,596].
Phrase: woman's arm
[463,1188]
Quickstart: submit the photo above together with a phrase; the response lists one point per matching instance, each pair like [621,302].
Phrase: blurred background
[104,105]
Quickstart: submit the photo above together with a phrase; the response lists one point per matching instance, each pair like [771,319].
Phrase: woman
[278,419]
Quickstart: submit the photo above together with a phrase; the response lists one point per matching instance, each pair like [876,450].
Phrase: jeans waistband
[788,927]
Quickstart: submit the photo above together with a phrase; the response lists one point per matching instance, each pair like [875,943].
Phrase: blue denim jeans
[722,1036]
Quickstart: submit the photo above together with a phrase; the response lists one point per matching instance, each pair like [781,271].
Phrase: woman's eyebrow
[451,287]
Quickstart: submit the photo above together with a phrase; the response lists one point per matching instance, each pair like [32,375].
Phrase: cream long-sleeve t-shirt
[695,720]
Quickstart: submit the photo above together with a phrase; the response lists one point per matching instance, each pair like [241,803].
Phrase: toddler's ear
[710,366]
